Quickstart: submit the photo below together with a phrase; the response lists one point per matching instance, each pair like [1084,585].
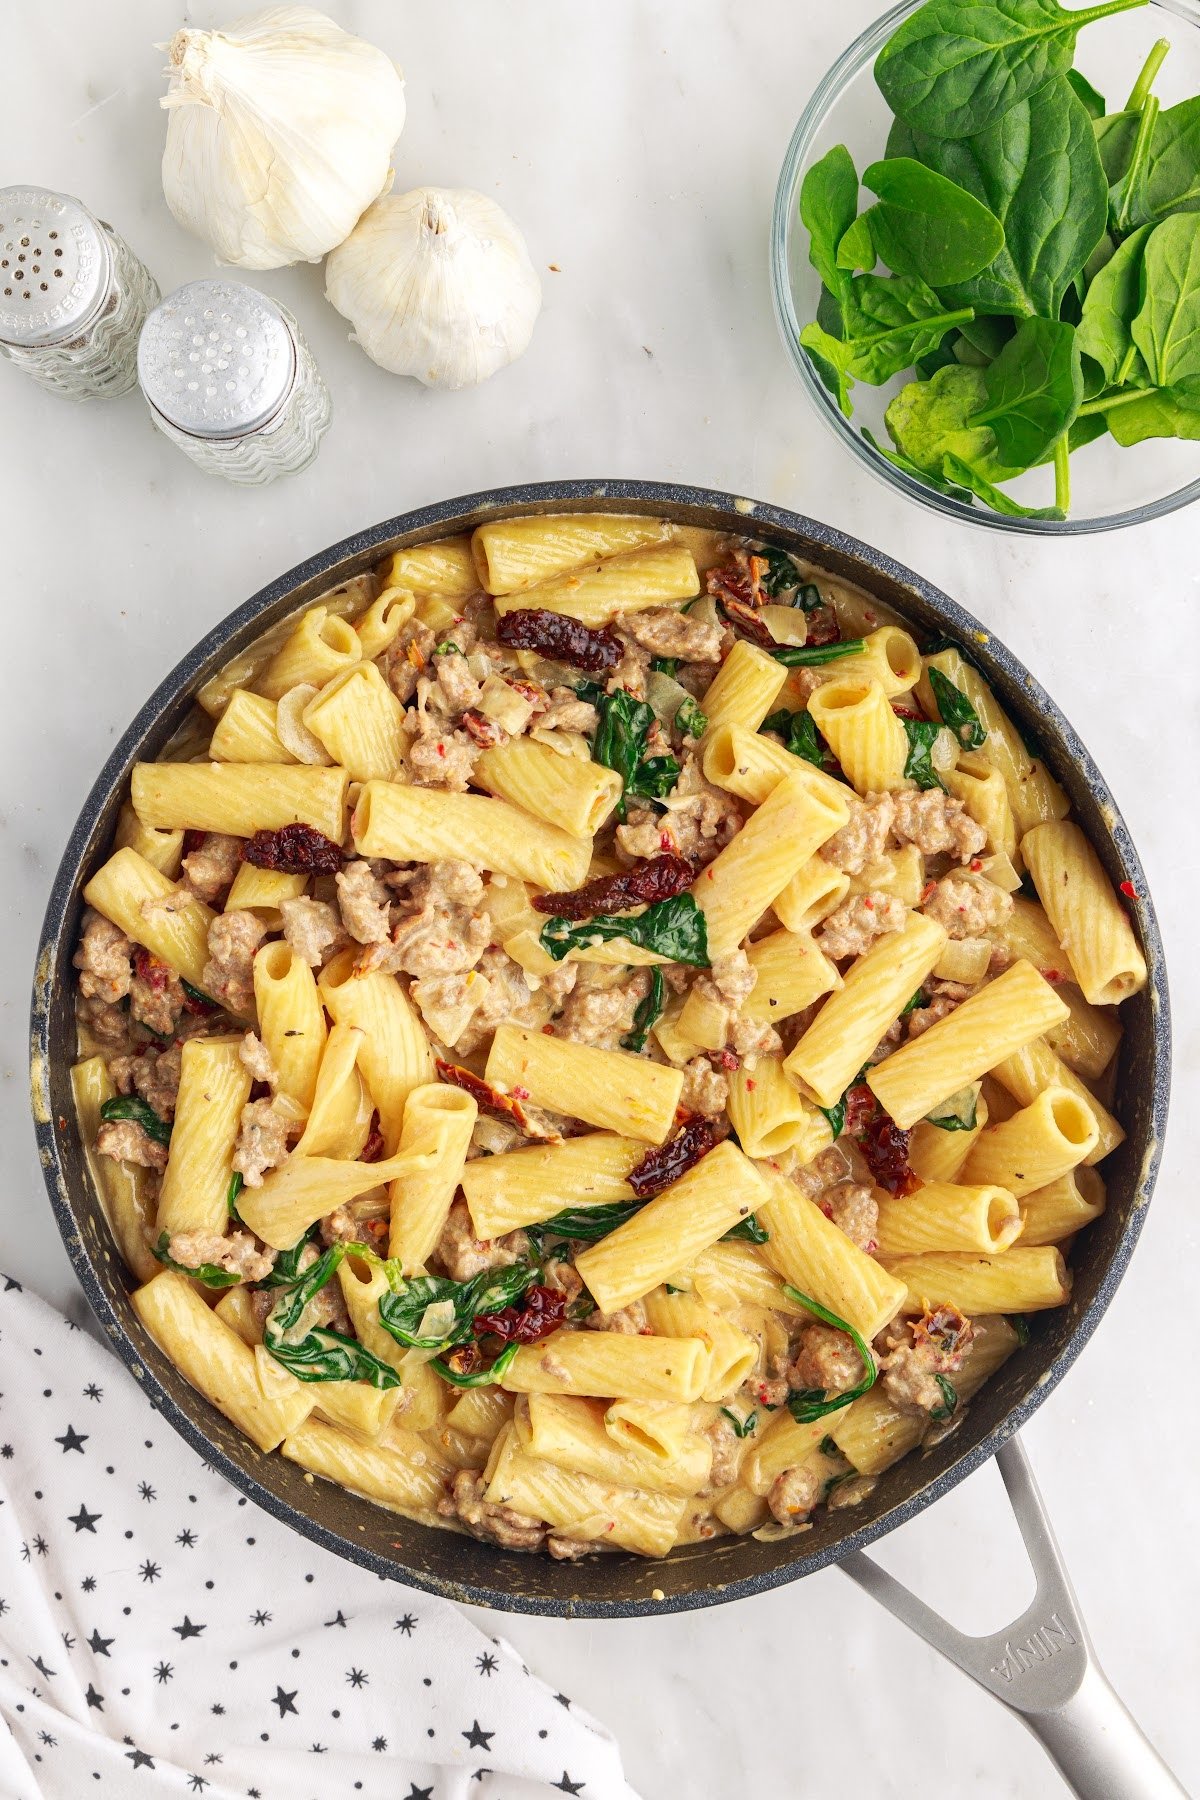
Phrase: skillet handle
[1042,1666]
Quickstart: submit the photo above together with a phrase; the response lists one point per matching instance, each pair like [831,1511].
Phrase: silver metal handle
[1042,1666]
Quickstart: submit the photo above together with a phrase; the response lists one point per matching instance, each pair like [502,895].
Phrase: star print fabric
[159,1635]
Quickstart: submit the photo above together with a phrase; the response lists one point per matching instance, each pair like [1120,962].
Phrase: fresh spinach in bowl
[1040,255]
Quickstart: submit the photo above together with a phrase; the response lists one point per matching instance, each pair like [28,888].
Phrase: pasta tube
[512,554]
[438,1122]
[609,1088]
[571,792]
[214,1086]
[320,647]
[819,1260]
[410,824]
[1018,1281]
[523,1187]
[855,718]
[1084,910]
[943,1215]
[1039,1143]
[291,1019]
[603,1364]
[393,1053]
[572,1434]
[604,590]
[240,798]
[130,891]
[737,887]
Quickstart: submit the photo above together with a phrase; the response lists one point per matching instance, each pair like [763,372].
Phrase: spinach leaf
[953,69]
[907,466]
[1110,306]
[286,1267]
[926,226]
[477,1377]
[1033,391]
[320,1354]
[649,1011]
[958,1113]
[402,1314]
[814,656]
[586,1224]
[231,1197]
[1126,195]
[1172,182]
[690,720]
[140,1112]
[1153,413]
[857,248]
[1166,328]
[956,710]
[211,1274]
[1039,170]
[674,928]
[928,420]
[955,469]
[799,732]
[949,1404]
[830,358]
[920,998]
[747,1231]
[921,735]
[741,1427]
[620,744]
[828,205]
[1083,90]
[806,1404]
[887,322]
[782,576]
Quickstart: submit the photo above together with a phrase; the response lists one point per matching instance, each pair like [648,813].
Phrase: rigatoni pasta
[587,1144]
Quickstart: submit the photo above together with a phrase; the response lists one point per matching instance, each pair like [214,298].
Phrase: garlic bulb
[281,132]
[438,284]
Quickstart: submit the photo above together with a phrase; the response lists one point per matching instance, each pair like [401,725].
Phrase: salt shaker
[229,378]
[73,296]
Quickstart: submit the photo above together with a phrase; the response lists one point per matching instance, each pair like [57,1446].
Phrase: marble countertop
[638,149]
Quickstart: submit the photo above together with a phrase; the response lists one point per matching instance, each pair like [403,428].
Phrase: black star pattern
[83,1520]
[139,1759]
[3,1608]
[163,1671]
[567,1786]
[12,1286]
[99,1645]
[45,1738]
[24,1552]
[260,1618]
[188,1539]
[94,1699]
[416,1793]
[318,1749]
[72,1440]
[88,1584]
[486,1664]
[42,1547]
[187,1629]
[379,1743]
[146,1491]
[284,1701]
[253,1794]
[216,1707]
[214,1756]
[149,1571]
[339,1618]
[41,1668]
[476,1738]
[92,1392]
[357,1678]
[562,1700]
[196,1783]
[68,1641]
[6,1451]
[405,1624]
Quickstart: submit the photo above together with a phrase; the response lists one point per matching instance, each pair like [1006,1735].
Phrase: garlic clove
[280,134]
[437,284]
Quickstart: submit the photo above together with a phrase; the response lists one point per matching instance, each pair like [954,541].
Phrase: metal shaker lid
[55,266]
[216,359]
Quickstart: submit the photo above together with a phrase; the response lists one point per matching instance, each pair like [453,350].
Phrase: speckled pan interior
[614,1585]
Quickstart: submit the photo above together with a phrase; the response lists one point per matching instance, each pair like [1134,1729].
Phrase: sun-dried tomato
[372,1150]
[486,1097]
[946,1331]
[559,637]
[661,878]
[735,581]
[465,1360]
[861,1105]
[659,1168]
[294,850]
[542,1310]
[155,974]
[192,841]
[744,619]
[885,1150]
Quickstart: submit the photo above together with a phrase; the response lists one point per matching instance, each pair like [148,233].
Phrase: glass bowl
[1110,486]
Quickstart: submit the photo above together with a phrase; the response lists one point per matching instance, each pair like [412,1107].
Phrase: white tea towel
[159,1635]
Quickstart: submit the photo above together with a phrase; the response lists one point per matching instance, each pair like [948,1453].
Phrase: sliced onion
[786,624]
[293,733]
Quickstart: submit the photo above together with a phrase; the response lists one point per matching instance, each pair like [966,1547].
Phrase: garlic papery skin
[437,283]
[280,134]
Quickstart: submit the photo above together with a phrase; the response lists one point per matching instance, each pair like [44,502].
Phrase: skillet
[1041,1666]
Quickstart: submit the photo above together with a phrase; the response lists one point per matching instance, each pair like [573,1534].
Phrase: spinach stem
[1126,368]
[1141,151]
[1104,403]
[1062,474]
[1089,13]
[1140,90]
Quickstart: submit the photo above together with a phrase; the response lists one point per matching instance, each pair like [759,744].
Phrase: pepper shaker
[229,378]
[73,296]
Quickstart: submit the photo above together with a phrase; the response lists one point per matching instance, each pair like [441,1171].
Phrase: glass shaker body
[230,380]
[73,296]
